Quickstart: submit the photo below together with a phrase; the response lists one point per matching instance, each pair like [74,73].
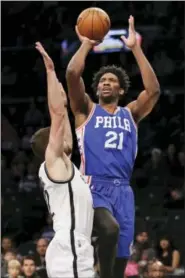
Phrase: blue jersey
[108,143]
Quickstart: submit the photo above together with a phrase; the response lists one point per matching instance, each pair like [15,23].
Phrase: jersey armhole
[88,118]
[59,182]
[132,119]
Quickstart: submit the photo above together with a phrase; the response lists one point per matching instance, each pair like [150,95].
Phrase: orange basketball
[93,23]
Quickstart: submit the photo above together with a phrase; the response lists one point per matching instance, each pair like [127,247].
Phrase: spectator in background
[175,199]
[33,116]
[48,232]
[141,254]
[8,76]
[181,164]
[20,157]
[154,270]
[168,254]
[29,267]
[171,157]
[14,269]
[30,181]
[17,171]
[163,64]
[8,256]
[6,244]
[42,245]
[155,169]
[6,180]
[25,143]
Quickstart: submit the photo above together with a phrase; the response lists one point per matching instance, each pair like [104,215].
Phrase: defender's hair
[118,71]
[39,142]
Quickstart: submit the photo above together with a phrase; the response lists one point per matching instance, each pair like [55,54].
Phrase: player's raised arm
[55,104]
[79,100]
[147,98]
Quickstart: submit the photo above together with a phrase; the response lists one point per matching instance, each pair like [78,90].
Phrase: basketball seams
[100,19]
[83,18]
[93,23]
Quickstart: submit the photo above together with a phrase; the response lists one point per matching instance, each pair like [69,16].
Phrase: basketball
[93,23]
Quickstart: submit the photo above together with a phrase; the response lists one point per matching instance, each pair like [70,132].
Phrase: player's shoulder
[47,181]
[128,113]
[41,169]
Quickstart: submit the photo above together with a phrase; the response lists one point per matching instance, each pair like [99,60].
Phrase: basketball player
[69,199]
[107,138]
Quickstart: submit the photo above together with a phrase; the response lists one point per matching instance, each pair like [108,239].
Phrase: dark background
[24,108]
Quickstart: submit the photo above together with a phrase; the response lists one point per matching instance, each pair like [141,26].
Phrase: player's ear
[121,92]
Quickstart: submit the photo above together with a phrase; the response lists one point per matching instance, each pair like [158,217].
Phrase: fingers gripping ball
[93,23]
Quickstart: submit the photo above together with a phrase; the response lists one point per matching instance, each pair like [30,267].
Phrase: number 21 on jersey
[114,140]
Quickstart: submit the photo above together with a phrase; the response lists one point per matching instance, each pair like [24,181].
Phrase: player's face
[108,88]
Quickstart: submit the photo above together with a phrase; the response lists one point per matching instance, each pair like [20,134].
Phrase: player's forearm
[55,99]
[149,77]
[77,63]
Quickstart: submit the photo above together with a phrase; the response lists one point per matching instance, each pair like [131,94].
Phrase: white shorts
[67,260]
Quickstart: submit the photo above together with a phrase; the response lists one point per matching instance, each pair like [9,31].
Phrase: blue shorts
[117,196]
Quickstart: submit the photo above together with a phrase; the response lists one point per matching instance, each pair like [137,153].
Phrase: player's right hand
[47,60]
[85,39]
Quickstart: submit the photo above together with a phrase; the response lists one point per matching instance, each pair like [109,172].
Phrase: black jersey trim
[72,237]
[63,181]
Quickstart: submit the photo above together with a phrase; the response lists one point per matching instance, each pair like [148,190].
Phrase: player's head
[110,83]
[39,142]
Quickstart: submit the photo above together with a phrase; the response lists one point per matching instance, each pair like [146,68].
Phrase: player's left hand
[47,60]
[131,41]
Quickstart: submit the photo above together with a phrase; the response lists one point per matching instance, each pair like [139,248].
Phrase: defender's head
[39,142]
[110,83]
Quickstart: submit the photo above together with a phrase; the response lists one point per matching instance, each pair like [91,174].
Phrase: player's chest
[111,123]
[109,132]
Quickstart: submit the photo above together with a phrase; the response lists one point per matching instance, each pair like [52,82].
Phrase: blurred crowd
[148,259]
[158,178]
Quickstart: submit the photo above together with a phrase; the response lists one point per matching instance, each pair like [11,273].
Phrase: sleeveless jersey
[70,203]
[108,143]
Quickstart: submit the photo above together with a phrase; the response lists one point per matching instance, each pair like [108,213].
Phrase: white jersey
[70,202]
[70,253]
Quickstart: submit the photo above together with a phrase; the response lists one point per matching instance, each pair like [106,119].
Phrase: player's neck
[109,107]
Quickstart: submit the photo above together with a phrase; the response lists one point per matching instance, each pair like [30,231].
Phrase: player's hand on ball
[47,60]
[82,38]
[131,41]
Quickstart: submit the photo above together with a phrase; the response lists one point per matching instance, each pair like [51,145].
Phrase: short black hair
[39,142]
[121,74]
[29,258]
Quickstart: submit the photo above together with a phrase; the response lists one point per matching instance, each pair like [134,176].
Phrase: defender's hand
[131,41]
[47,60]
